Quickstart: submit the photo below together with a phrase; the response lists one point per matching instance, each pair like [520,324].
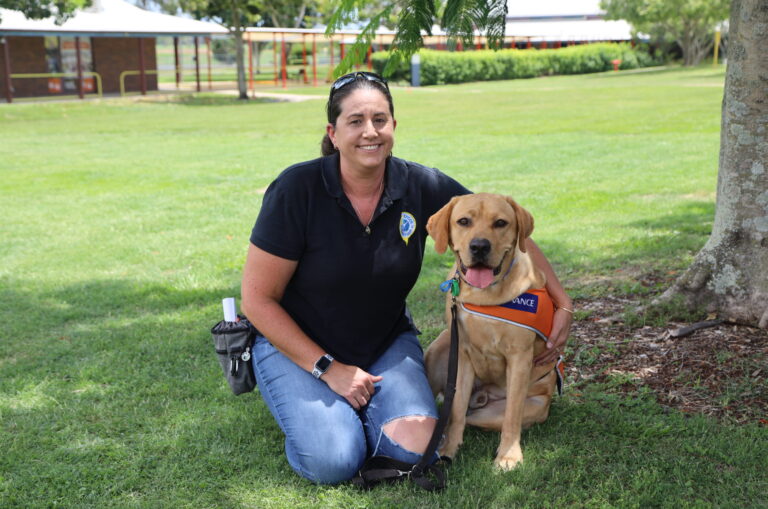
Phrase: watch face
[323,363]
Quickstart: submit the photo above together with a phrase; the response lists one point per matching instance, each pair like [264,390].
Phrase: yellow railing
[85,74]
[131,73]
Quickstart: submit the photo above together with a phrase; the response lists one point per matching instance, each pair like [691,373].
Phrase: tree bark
[240,55]
[729,275]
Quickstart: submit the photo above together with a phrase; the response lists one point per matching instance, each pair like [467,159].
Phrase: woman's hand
[561,327]
[351,383]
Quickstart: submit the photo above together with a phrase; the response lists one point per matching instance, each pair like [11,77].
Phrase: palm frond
[494,22]
[344,13]
[460,19]
[416,16]
[356,54]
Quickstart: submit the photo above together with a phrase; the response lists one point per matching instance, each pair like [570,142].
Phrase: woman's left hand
[561,327]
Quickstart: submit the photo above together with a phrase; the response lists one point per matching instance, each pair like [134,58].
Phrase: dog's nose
[480,247]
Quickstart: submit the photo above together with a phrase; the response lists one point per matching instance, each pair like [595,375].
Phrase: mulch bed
[718,371]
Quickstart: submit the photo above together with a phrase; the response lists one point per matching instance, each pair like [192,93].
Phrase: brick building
[107,48]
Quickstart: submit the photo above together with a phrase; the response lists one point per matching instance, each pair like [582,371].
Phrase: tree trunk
[240,55]
[729,275]
[237,31]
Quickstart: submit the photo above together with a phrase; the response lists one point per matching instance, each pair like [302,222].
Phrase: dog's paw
[507,463]
[448,450]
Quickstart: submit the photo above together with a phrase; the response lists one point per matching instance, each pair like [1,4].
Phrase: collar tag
[452,285]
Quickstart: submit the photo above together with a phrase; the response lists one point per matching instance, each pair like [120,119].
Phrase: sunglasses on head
[354,76]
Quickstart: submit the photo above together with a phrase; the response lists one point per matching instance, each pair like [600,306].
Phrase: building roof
[589,30]
[108,18]
[564,20]
[553,9]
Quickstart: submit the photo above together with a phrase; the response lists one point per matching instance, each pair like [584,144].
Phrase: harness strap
[559,370]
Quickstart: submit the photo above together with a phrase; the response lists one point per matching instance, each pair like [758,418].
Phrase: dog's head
[483,230]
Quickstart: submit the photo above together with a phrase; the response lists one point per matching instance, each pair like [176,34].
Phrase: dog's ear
[524,223]
[439,226]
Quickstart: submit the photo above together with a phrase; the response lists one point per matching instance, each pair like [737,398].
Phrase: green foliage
[440,67]
[61,10]
[233,14]
[689,23]
[415,17]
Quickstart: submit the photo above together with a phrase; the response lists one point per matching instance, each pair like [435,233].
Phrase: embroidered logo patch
[524,302]
[407,226]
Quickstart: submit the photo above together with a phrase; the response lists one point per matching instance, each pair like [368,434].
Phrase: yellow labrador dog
[497,388]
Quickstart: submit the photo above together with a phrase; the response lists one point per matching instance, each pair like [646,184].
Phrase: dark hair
[337,96]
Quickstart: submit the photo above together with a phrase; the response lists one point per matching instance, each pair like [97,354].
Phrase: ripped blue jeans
[326,440]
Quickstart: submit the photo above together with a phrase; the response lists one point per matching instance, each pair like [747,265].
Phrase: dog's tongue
[479,276]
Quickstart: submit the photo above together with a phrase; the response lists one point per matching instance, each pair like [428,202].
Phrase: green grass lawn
[124,223]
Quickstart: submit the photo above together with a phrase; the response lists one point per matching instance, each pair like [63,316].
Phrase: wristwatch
[322,365]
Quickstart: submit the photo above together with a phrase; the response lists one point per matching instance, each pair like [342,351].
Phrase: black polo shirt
[349,289]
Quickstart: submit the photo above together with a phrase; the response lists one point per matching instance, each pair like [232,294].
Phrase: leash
[425,473]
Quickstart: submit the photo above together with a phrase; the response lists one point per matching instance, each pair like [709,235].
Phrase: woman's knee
[329,463]
[406,438]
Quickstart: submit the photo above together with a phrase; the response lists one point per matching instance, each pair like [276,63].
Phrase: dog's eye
[500,223]
[464,221]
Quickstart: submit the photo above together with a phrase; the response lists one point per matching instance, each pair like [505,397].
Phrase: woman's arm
[561,323]
[265,277]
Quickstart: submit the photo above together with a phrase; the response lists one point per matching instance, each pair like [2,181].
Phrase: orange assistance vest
[531,310]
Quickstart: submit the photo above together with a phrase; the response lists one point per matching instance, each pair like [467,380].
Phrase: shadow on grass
[662,244]
[110,392]
[641,70]
[212,99]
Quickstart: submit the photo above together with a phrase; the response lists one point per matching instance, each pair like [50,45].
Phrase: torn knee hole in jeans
[411,432]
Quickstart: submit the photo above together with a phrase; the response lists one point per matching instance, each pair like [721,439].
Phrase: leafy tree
[728,275]
[39,9]
[236,15]
[286,13]
[458,18]
[689,23]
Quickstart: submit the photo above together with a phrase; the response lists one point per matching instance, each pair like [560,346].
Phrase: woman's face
[364,131]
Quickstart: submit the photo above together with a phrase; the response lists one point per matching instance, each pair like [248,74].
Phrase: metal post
[250,65]
[283,69]
[176,61]
[415,70]
[209,58]
[197,64]
[314,60]
[7,58]
[142,66]
[274,54]
[79,69]
[304,57]
[370,58]
[717,46]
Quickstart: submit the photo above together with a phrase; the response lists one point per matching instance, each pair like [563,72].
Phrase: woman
[336,248]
